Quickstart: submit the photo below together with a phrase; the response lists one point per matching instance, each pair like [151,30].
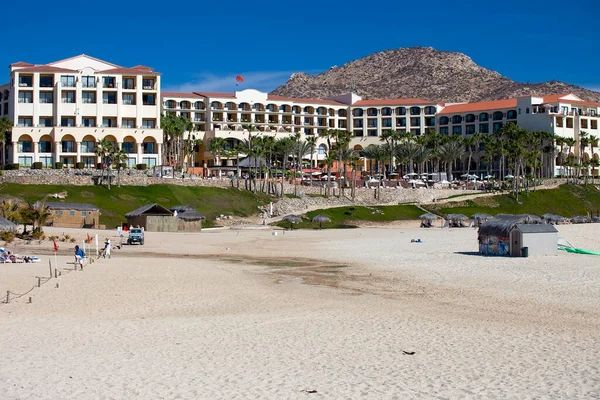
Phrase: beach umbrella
[456,219]
[292,219]
[320,219]
[429,216]
[580,220]
[596,218]
[480,218]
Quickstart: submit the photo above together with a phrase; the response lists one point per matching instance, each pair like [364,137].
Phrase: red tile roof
[45,68]
[482,106]
[216,94]
[553,98]
[132,71]
[180,94]
[21,64]
[392,102]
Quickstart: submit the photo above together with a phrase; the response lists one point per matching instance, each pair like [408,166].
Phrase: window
[372,132]
[128,147]
[497,127]
[68,146]
[128,98]
[148,99]
[415,111]
[148,84]
[45,146]
[71,213]
[559,122]
[68,97]
[457,119]
[46,121]
[400,111]
[400,121]
[150,162]
[457,130]
[415,121]
[386,123]
[444,130]
[88,97]
[59,212]
[25,97]
[25,81]
[170,104]
[67,81]
[386,111]
[128,123]
[569,122]
[429,121]
[357,112]
[67,121]
[108,82]
[46,81]
[46,97]
[430,110]
[149,148]
[372,123]
[415,131]
[470,118]
[88,81]
[46,161]
[584,123]
[372,112]
[89,121]
[484,117]
[25,146]
[444,120]
[88,146]
[148,123]
[25,161]
[109,123]
[199,106]
[358,123]
[470,129]
[83,213]
[497,116]
[109,98]
[128,83]
[359,133]
[25,121]
[512,114]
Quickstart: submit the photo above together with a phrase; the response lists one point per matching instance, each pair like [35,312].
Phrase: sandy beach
[305,314]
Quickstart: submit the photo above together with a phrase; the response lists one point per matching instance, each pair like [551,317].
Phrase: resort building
[62,109]
[225,115]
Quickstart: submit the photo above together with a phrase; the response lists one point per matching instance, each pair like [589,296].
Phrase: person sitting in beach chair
[79,256]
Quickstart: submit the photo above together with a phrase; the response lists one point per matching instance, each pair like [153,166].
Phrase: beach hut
[6,225]
[508,235]
[153,218]
[190,220]
[74,215]
[427,220]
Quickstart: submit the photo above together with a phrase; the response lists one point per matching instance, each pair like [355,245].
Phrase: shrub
[79,165]
[58,165]
[121,166]
[7,236]
[141,167]
[37,165]
[12,166]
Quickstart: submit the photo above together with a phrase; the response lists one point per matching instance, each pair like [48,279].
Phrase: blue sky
[203,45]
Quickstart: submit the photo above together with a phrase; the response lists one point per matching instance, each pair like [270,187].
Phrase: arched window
[322,150]
[430,110]
[444,120]
[484,117]
[342,113]
[357,112]
[512,114]
[498,116]
[470,118]
[372,112]
[199,105]
[386,111]
[400,111]
[415,111]
[170,104]
[457,119]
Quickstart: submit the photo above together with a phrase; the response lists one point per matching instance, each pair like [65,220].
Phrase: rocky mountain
[419,72]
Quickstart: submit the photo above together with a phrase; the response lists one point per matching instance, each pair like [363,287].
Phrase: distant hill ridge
[420,72]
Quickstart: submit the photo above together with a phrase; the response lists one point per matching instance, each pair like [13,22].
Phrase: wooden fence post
[7,296]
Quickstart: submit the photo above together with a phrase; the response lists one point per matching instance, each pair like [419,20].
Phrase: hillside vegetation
[567,200]
[118,201]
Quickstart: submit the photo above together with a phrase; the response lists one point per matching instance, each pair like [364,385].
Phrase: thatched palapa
[6,225]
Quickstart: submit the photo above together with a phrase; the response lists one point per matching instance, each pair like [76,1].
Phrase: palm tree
[449,153]
[584,141]
[217,147]
[284,147]
[301,149]
[5,127]
[102,150]
[312,142]
[593,143]
[569,142]
[409,151]
[391,138]
[119,156]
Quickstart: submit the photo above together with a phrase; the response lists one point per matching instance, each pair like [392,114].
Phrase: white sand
[220,323]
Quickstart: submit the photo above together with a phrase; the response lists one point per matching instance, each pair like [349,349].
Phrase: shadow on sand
[469,253]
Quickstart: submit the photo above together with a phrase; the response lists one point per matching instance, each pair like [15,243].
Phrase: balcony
[88,84]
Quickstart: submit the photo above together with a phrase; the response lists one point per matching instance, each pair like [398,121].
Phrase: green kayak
[579,251]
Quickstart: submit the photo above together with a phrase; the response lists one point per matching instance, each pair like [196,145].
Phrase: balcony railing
[88,84]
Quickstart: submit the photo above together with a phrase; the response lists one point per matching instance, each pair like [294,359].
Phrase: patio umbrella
[429,216]
[580,220]
[292,219]
[456,219]
[320,219]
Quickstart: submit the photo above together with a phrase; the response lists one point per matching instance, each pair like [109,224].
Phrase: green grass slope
[566,200]
[118,201]
[343,217]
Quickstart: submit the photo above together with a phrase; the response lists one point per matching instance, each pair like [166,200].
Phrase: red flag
[89,240]
[125,228]
[55,245]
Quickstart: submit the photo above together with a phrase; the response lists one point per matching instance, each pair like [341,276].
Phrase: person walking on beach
[106,252]
[79,256]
